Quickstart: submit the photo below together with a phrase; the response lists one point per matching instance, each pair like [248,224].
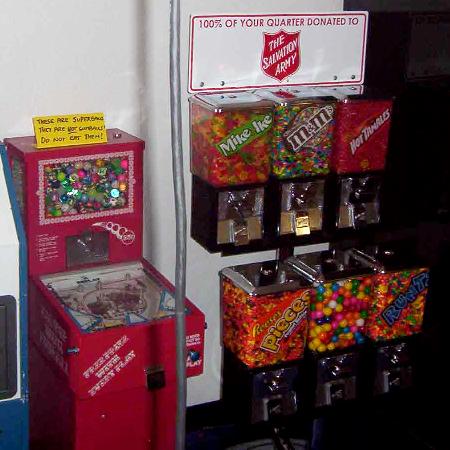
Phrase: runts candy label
[418,285]
[245,134]
[398,304]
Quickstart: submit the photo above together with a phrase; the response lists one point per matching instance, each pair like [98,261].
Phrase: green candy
[55,212]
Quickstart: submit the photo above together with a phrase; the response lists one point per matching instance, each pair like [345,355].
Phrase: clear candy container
[302,134]
[265,307]
[361,135]
[231,137]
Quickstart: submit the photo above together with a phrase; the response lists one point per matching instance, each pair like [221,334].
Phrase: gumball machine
[360,146]
[231,137]
[13,318]
[102,340]
[400,287]
[82,204]
[337,326]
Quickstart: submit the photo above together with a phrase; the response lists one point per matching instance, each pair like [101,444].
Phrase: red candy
[361,135]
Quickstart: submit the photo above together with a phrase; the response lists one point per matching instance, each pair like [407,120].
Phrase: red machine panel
[107,336]
[81,205]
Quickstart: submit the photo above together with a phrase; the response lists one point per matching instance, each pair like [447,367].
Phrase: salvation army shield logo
[281,54]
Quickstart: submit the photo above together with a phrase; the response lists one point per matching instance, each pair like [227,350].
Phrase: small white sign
[229,52]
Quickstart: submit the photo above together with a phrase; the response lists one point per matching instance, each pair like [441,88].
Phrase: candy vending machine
[396,313]
[265,308]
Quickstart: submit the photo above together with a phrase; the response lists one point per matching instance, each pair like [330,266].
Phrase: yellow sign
[71,129]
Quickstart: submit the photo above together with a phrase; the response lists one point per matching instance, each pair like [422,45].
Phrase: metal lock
[336,379]
[274,394]
[394,368]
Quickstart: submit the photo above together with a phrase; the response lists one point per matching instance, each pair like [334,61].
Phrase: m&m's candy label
[303,132]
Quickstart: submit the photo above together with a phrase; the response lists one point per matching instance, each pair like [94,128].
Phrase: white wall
[104,55]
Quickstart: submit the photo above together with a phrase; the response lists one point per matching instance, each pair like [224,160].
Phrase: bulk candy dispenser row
[240,138]
[334,315]
[312,157]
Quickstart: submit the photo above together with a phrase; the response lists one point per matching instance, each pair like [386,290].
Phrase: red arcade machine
[102,332]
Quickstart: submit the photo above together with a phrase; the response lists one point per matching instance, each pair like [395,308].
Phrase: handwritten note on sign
[71,129]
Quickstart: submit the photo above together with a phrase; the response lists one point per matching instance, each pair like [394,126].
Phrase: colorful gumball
[347,324]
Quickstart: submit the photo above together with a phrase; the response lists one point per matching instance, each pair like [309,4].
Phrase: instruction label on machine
[70,129]
[230,52]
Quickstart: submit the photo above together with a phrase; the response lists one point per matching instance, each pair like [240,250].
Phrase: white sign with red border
[229,52]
